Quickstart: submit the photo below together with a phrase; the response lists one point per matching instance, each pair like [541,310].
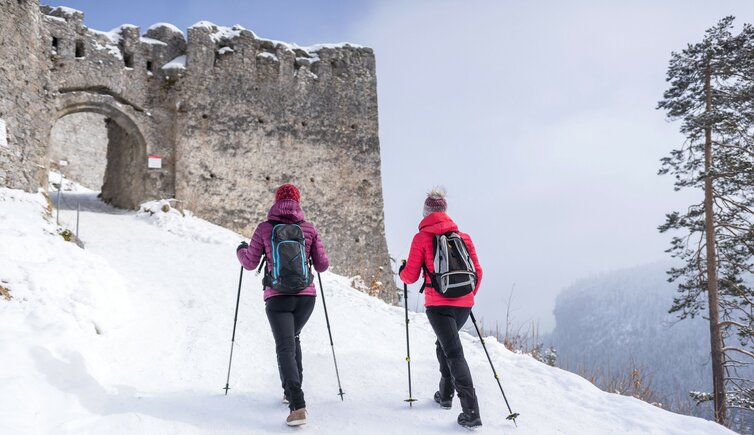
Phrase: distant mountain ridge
[608,324]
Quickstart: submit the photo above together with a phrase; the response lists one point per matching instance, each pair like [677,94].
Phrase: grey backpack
[454,274]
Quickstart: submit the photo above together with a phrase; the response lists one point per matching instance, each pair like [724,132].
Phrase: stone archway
[125,172]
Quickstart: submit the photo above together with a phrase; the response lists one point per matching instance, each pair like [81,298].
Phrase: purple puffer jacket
[286,211]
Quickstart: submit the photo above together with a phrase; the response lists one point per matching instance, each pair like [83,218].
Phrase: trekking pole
[332,346]
[513,415]
[57,212]
[410,399]
[233,338]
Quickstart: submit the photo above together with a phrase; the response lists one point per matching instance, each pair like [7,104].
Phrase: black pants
[446,322]
[287,316]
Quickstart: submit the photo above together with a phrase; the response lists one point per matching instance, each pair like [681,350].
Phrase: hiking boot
[469,419]
[447,387]
[297,417]
[285,399]
[445,393]
[444,403]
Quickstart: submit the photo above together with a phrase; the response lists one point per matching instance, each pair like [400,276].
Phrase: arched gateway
[125,172]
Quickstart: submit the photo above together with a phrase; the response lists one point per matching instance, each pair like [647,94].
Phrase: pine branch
[732,323]
[737,349]
[736,204]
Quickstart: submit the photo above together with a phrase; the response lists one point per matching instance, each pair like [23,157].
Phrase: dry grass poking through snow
[5,293]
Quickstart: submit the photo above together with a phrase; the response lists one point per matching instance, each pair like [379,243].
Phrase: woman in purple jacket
[287,313]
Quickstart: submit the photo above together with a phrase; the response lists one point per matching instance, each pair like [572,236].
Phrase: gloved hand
[242,245]
[403,266]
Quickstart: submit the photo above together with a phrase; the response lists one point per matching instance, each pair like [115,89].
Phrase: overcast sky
[538,117]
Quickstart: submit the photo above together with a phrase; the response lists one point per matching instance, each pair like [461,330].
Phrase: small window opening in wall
[80,49]
[260,120]
[267,178]
[128,60]
[353,126]
[55,44]
[149,65]
[20,2]
[204,116]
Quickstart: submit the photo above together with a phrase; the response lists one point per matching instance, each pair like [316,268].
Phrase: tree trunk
[716,341]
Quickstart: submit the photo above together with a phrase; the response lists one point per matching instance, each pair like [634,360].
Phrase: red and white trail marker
[154,162]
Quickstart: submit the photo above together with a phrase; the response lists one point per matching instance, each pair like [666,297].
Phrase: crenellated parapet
[212,49]
[165,53]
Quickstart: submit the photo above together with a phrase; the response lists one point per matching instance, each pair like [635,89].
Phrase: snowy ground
[131,336]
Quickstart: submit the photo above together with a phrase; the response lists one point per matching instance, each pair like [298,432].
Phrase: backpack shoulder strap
[264,259]
[424,282]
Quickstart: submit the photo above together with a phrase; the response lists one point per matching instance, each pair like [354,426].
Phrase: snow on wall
[157,26]
[177,63]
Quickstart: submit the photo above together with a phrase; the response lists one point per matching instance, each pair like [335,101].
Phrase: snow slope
[132,334]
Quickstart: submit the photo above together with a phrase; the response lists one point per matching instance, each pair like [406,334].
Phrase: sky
[537,117]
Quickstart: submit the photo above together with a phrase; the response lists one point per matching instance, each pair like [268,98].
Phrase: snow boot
[444,396]
[444,404]
[470,419]
[297,417]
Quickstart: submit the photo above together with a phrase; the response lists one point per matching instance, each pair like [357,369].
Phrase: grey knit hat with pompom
[435,201]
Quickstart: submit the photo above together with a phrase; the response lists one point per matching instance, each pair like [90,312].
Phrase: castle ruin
[216,118]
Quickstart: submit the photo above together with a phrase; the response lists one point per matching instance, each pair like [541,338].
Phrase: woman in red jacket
[446,315]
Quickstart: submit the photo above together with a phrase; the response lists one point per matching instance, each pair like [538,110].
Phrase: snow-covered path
[132,334]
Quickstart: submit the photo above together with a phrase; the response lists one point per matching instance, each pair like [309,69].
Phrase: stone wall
[271,114]
[81,140]
[231,115]
[24,99]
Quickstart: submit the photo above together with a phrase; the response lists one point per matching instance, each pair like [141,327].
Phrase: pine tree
[712,93]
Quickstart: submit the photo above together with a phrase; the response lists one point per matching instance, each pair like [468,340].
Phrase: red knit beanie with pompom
[287,191]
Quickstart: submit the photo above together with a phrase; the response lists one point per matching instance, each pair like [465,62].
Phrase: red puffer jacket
[422,254]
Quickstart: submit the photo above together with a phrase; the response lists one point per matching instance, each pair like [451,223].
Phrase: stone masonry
[230,115]
[81,140]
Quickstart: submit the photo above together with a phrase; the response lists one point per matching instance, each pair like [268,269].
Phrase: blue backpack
[290,272]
